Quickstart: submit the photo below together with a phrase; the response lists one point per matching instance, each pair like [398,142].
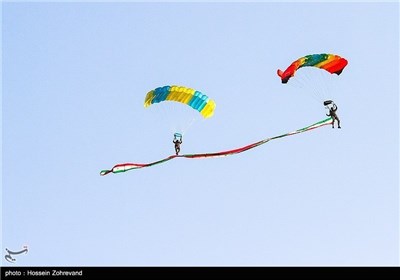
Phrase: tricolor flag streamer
[130,166]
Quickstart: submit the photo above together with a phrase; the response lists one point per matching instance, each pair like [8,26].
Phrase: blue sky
[74,78]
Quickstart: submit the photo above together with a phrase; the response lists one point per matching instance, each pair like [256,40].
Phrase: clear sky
[74,78]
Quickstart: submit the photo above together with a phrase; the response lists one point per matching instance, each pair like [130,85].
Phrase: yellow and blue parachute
[188,96]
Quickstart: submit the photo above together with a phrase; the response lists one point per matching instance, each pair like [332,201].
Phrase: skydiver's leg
[338,121]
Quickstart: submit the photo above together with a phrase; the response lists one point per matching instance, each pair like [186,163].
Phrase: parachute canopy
[188,96]
[332,63]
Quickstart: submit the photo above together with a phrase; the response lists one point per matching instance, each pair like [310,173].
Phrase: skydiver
[332,113]
[177,143]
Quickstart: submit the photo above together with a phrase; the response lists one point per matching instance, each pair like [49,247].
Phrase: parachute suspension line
[164,109]
[321,84]
[314,84]
[304,82]
[174,116]
[189,125]
[317,97]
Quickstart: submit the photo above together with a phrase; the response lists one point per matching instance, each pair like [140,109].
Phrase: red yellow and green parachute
[332,63]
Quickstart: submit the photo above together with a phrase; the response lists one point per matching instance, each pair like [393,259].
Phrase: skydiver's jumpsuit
[177,145]
[332,113]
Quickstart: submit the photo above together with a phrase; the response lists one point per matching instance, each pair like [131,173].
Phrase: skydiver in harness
[332,112]
[177,141]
